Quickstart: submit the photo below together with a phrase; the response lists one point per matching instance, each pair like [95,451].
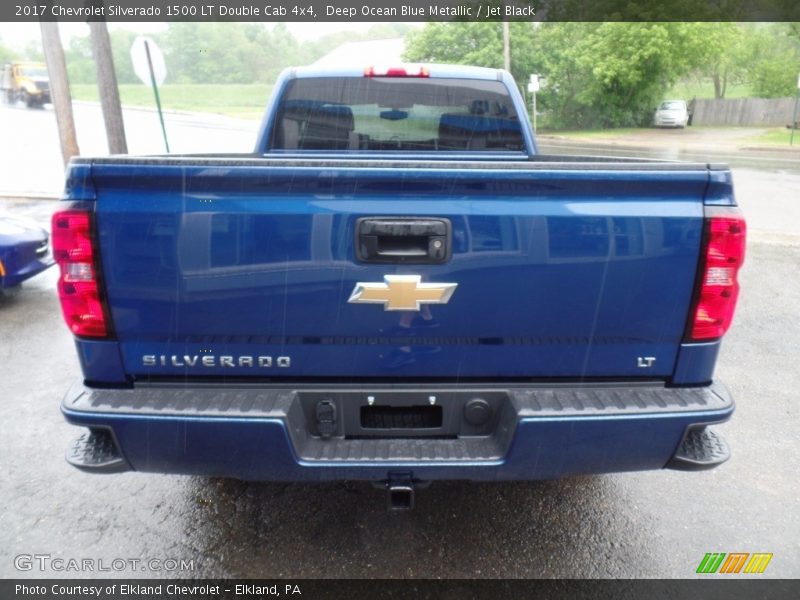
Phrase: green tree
[274,50]
[32,51]
[611,74]
[187,48]
[720,54]
[6,55]
[772,56]
[558,56]
[81,67]
[227,52]
[632,65]
[473,43]
[217,52]
[249,53]
[80,64]
[598,74]
[121,42]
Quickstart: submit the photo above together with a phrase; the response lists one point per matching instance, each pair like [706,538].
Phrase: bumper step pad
[96,452]
[700,449]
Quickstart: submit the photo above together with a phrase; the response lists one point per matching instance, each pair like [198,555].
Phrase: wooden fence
[753,112]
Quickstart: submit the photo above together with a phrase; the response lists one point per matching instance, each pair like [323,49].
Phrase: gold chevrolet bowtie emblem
[402,292]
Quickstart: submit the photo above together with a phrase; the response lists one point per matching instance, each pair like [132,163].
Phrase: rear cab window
[396,114]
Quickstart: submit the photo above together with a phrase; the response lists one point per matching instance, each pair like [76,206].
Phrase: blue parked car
[24,250]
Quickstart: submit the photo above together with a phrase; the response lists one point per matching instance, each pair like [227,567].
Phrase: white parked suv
[671,113]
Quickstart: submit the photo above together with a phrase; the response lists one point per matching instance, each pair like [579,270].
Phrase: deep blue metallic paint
[79,185]
[259,261]
[561,273]
[695,364]
[720,188]
[18,252]
[101,361]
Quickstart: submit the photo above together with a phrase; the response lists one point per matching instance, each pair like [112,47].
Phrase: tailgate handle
[407,240]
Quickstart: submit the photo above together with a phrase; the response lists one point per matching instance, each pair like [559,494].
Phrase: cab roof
[434,70]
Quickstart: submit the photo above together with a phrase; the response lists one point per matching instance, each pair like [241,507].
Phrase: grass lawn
[778,137]
[236,100]
[686,90]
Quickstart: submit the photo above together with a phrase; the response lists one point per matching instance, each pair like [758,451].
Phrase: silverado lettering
[395,286]
[207,360]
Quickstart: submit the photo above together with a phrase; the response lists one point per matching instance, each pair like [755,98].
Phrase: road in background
[31,155]
[766,182]
[32,163]
[696,144]
[651,524]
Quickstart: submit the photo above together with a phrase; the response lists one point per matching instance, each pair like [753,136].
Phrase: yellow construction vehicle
[26,82]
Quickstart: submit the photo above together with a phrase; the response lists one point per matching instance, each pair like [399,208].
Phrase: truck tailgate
[244,268]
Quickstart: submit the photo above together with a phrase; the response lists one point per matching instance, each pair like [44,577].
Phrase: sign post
[149,66]
[533,87]
[794,113]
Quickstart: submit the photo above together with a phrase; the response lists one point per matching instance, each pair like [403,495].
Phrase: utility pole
[107,88]
[59,89]
[506,47]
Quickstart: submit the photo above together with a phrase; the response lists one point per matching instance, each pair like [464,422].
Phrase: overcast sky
[19,34]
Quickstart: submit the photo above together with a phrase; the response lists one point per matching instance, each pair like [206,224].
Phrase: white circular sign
[139,57]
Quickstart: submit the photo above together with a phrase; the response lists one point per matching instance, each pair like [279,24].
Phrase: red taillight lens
[396,72]
[78,289]
[72,240]
[724,254]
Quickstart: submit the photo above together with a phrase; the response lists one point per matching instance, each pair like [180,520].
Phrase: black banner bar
[711,588]
[311,11]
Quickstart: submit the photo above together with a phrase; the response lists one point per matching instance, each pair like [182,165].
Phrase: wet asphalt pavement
[650,524]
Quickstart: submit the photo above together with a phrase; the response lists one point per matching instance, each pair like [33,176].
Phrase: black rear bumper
[280,433]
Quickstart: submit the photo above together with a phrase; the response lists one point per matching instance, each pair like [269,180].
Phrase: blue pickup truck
[397,287]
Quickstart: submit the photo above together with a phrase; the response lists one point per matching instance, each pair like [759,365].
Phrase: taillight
[78,290]
[723,254]
[397,72]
